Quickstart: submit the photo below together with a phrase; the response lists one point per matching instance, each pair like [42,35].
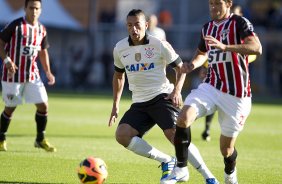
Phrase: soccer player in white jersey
[21,42]
[144,59]
[226,41]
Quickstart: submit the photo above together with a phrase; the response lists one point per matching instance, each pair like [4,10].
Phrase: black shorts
[143,116]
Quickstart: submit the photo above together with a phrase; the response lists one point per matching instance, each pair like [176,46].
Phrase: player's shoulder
[239,19]
[16,22]
[11,26]
[242,22]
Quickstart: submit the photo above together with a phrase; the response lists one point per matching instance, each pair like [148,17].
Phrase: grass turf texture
[78,128]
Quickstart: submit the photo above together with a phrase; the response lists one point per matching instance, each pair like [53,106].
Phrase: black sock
[208,121]
[41,122]
[4,125]
[182,141]
[230,162]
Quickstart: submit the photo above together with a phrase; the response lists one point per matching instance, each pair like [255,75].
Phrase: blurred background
[83,33]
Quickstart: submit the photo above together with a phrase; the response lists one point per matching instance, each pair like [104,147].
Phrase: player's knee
[226,151]
[183,121]
[42,107]
[186,117]
[123,138]
[9,111]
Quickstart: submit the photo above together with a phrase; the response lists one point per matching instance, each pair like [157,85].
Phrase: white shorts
[232,111]
[14,93]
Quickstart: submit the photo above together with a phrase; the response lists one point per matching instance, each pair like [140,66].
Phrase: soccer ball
[92,171]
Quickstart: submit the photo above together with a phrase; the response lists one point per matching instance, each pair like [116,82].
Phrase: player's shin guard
[182,141]
[230,162]
[4,125]
[41,122]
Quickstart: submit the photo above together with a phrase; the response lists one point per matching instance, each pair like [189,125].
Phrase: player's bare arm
[250,46]
[176,96]
[44,59]
[10,65]
[198,60]
[118,84]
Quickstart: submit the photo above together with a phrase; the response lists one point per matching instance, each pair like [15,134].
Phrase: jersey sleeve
[7,32]
[45,43]
[202,44]
[117,62]
[168,52]
[245,27]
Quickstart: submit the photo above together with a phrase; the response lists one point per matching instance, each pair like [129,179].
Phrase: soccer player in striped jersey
[21,42]
[226,41]
[237,10]
[144,59]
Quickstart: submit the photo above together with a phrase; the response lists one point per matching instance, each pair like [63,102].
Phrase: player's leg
[5,120]
[12,96]
[196,160]
[206,132]
[36,93]
[229,154]
[133,125]
[41,119]
[182,141]
[232,114]
[194,157]
[193,108]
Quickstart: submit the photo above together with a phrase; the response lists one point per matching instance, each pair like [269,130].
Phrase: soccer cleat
[211,181]
[167,168]
[206,136]
[44,144]
[3,145]
[231,178]
[177,175]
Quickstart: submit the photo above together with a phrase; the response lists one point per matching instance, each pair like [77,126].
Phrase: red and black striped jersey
[23,42]
[228,71]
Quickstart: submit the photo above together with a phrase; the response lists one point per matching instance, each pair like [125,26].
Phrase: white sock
[142,148]
[196,160]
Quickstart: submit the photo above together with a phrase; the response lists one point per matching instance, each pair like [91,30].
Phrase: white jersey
[145,66]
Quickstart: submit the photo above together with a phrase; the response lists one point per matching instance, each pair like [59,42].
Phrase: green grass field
[78,128]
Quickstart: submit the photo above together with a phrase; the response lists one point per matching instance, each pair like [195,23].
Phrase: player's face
[219,9]
[136,27]
[33,11]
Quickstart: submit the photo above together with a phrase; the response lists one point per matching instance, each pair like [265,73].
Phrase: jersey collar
[146,40]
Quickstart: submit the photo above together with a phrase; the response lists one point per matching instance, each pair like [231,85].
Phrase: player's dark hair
[26,2]
[136,12]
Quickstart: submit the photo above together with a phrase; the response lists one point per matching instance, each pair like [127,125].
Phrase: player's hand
[176,98]
[212,42]
[114,116]
[51,78]
[11,69]
[187,67]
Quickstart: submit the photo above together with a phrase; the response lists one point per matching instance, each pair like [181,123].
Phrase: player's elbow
[257,49]
[260,50]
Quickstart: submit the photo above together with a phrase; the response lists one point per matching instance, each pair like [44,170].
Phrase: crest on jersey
[224,33]
[149,52]
[137,57]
